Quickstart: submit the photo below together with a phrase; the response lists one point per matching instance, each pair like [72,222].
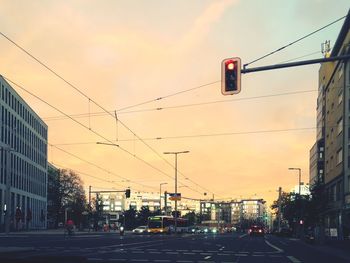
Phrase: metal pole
[176,192]
[90,198]
[295,64]
[8,191]
[299,181]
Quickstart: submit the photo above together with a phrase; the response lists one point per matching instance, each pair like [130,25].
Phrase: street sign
[174,197]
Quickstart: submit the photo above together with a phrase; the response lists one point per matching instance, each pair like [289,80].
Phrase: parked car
[140,230]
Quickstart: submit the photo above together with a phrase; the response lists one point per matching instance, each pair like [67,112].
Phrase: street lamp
[176,153]
[299,169]
[160,197]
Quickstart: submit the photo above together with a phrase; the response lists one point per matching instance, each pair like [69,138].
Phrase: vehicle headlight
[193,230]
[214,230]
[149,231]
[161,230]
[205,230]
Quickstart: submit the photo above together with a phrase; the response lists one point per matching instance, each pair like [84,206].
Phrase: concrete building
[23,138]
[253,209]
[304,189]
[333,114]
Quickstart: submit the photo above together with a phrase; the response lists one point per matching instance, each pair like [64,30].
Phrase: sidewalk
[58,232]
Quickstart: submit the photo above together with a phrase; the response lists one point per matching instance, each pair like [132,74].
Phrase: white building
[23,135]
[304,189]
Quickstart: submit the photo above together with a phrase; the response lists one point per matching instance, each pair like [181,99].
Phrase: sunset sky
[122,53]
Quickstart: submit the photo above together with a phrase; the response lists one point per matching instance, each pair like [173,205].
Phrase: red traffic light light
[231,76]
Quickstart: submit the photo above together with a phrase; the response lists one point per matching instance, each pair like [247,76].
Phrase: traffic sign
[174,197]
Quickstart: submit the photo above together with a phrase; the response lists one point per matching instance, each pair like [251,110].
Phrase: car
[140,230]
[256,231]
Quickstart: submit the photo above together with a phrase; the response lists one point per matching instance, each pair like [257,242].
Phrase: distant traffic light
[127,193]
[231,76]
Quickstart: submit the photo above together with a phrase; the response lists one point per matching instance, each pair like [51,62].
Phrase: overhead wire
[200,135]
[100,106]
[295,41]
[98,114]
[84,126]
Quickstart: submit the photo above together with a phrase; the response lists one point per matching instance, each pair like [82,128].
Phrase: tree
[143,215]
[53,197]
[65,195]
[72,195]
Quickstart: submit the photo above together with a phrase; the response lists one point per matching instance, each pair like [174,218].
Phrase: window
[340,156]
[340,97]
[341,70]
[340,126]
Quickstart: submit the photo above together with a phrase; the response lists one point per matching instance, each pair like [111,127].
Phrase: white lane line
[273,246]
[189,253]
[241,236]
[222,248]
[172,253]
[197,250]
[293,259]
[207,257]
[161,260]
[258,255]
[139,260]
[181,250]
[223,254]
[241,255]
[184,261]
[137,252]
[155,252]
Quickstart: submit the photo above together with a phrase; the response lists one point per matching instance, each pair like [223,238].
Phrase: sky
[124,53]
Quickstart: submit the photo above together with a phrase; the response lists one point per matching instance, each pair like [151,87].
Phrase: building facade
[333,120]
[23,162]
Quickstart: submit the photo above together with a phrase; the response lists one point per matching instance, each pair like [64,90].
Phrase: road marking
[181,250]
[293,259]
[140,260]
[161,260]
[155,252]
[184,261]
[172,253]
[189,253]
[258,255]
[241,255]
[222,248]
[137,252]
[207,257]
[223,254]
[241,236]
[197,250]
[273,246]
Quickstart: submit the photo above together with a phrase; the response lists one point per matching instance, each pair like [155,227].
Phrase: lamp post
[176,153]
[299,169]
[160,196]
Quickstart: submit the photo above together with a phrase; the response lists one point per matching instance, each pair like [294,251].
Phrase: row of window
[24,176]
[22,110]
[36,208]
[19,137]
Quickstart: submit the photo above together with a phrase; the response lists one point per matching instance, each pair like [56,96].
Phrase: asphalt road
[110,247]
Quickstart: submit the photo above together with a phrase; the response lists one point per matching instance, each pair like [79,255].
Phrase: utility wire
[100,106]
[98,114]
[292,43]
[168,96]
[84,126]
[199,135]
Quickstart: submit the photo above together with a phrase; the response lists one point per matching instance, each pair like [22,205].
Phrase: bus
[166,224]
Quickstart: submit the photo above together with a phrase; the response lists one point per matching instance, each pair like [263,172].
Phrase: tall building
[333,117]
[23,142]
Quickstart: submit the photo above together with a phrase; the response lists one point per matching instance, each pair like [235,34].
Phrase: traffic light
[127,193]
[231,76]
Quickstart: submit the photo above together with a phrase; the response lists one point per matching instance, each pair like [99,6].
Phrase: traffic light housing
[231,76]
[127,193]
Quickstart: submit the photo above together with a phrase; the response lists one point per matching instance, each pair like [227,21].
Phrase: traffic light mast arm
[295,64]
